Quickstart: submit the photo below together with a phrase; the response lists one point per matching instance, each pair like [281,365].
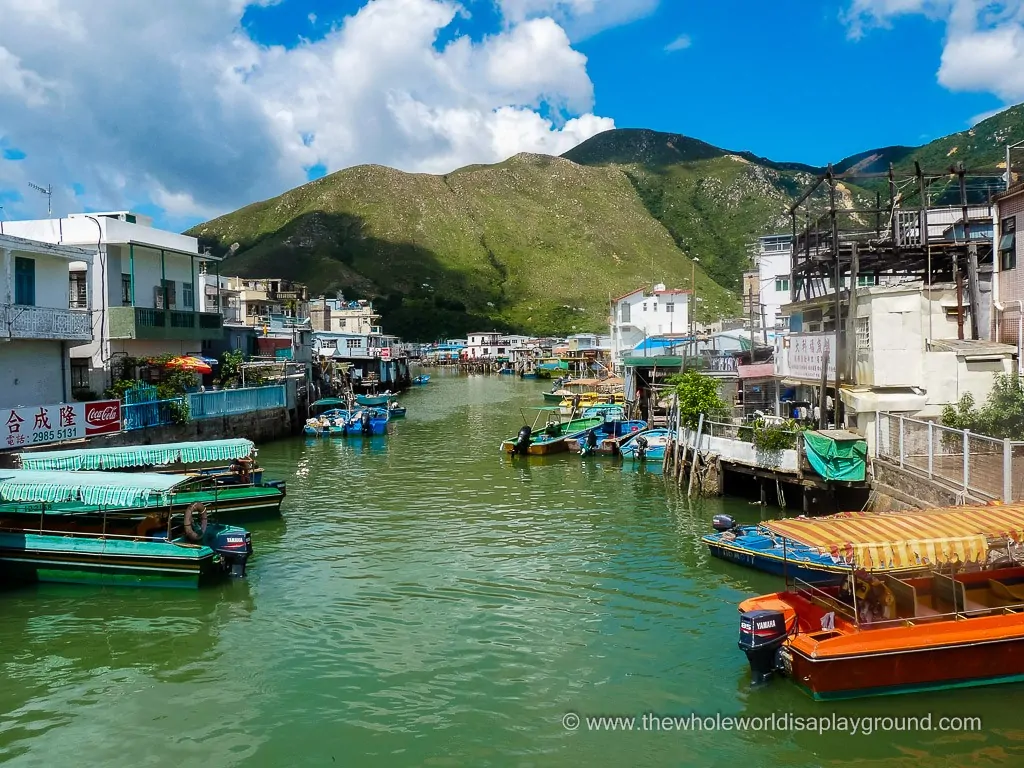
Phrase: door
[24,281]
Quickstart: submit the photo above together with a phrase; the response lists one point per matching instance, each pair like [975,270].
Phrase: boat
[576,403]
[374,400]
[646,445]
[553,436]
[72,544]
[137,492]
[605,437]
[421,379]
[395,411]
[507,371]
[871,634]
[364,422]
[821,549]
[175,458]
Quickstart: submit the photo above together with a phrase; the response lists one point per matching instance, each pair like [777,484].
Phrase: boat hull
[372,400]
[553,398]
[773,561]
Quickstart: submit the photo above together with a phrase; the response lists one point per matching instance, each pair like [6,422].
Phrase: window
[163,295]
[77,293]
[24,281]
[1008,243]
[782,284]
[187,297]
[79,374]
[126,290]
[645,306]
[863,333]
[354,343]
[670,307]
[624,312]
[868,278]
[342,323]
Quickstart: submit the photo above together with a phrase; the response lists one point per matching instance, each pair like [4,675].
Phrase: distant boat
[396,411]
[369,400]
[605,438]
[648,445]
[528,375]
[552,437]
[366,422]
[422,379]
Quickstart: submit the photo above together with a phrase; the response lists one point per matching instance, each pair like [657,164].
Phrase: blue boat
[605,438]
[755,546]
[647,445]
[364,422]
[422,379]
[374,400]
[396,411]
[528,375]
[507,372]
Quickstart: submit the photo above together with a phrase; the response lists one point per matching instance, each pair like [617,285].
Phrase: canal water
[429,601]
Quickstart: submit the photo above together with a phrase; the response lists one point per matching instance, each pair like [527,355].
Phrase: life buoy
[190,533]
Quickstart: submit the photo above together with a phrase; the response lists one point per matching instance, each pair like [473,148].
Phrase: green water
[429,601]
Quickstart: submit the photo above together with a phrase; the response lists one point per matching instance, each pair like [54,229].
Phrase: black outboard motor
[641,447]
[523,441]
[234,545]
[591,443]
[367,426]
[723,523]
[762,634]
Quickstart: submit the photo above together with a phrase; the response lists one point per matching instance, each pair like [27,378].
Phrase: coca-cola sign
[38,424]
[102,417]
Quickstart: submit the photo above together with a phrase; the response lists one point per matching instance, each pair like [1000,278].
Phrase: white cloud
[581,18]
[681,43]
[176,105]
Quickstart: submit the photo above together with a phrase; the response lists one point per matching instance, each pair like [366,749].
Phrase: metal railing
[975,463]
[228,401]
[155,413]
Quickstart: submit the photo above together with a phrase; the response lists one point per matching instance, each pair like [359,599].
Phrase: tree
[697,394]
[1001,416]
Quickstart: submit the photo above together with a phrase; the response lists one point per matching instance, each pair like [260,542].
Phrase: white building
[346,317]
[486,344]
[44,309]
[143,286]
[773,284]
[639,315]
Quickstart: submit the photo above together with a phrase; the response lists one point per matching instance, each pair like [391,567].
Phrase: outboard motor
[723,523]
[367,426]
[591,443]
[523,441]
[234,545]
[762,634]
[641,447]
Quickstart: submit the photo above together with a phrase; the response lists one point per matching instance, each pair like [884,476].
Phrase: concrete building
[773,264]
[1008,271]
[486,344]
[641,315]
[143,288]
[44,310]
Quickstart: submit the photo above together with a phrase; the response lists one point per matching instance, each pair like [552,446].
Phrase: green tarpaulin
[837,455]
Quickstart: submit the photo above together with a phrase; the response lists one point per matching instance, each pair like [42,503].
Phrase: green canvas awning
[836,454]
[95,488]
[138,455]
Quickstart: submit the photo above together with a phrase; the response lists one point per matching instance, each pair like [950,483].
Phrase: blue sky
[191,110]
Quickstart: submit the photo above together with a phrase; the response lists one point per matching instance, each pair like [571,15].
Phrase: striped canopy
[917,539]
[106,489]
[138,455]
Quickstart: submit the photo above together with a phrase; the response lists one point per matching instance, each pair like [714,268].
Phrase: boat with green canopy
[551,438]
[181,457]
[140,491]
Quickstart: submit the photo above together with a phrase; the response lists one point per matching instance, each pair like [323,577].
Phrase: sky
[188,110]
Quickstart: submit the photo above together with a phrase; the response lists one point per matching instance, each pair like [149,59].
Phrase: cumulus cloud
[581,18]
[681,43]
[175,105]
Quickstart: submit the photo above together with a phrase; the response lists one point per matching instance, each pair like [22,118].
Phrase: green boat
[553,436]
[79,544]
[176,458]
[137,492]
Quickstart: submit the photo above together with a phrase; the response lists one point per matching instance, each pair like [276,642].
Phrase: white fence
[983,465]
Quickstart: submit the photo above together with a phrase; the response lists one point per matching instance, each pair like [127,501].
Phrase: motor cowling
[762,634]
[367,426]
[723,523]
[234,545]
[641,446]
[523,440]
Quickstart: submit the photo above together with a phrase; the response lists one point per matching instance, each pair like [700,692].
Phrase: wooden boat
[646,445]
[204,457]
[395,411]
[374,400]
[605,438]
[421,379]
[877,634]
[528,375]
[138,492]
[78,544]
[551,438]
[822,549]
[358,422]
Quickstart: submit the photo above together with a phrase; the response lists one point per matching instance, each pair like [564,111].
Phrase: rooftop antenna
[48,191]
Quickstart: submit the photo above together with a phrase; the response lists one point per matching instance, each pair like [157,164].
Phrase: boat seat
[1005,592]
[921,611]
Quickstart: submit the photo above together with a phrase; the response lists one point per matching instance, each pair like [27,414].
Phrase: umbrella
[189,364]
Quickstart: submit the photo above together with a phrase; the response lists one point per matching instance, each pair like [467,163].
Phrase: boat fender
[192,509]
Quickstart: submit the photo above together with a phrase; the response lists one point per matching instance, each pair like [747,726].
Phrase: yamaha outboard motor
[523,441]
[367,426]
[641,447]
[234,545]
[723,523]
[590,444]
[762,634]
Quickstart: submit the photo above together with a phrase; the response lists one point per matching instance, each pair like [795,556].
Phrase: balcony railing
[156,324]
[28,322]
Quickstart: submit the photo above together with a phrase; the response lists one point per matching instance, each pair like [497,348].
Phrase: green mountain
[539,244]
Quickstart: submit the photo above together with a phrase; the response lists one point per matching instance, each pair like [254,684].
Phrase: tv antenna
[48,191]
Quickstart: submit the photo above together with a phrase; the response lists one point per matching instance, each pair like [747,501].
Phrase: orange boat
[872,635]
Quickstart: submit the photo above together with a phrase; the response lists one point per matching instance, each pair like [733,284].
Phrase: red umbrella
[189,364]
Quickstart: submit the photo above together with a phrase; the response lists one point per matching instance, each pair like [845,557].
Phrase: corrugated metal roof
[137,455]
[99,488]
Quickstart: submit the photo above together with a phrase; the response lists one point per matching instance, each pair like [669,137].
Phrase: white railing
[28,322]
[986,466]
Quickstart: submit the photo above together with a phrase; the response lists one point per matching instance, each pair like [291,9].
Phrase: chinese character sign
[806,351]
[34,425]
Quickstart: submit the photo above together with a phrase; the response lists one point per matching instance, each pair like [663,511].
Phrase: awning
[873,401]
[115,489]
[138,455]
[915,539]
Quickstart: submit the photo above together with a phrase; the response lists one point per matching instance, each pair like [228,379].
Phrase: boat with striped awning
[821,548]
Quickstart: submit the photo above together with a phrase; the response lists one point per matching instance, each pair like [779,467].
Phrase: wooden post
[838,279]
[696,456]
[822,402]
[972,257]
[851,323]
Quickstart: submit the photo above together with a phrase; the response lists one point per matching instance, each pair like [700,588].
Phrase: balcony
[28,322]
[164,324]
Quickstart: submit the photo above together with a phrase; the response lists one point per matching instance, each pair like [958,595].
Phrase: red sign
[102,417]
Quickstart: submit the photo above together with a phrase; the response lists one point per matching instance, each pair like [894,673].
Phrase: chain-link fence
[975,463]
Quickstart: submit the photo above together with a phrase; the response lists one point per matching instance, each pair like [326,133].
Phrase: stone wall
[897,490]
